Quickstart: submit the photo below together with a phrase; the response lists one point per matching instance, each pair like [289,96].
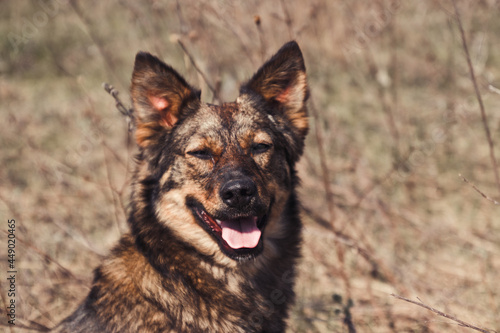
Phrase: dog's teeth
[219,222]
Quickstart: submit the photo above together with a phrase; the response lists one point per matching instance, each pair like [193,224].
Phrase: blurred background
[396,129]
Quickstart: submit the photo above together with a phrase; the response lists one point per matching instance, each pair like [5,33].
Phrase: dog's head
[221,174]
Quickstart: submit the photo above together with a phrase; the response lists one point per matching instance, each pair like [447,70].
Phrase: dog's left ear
[160,96]
[282,82]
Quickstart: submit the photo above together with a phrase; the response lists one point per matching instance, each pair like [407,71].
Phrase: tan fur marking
[185,226]
[145,132]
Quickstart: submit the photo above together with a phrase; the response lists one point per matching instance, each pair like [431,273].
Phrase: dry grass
[396,122]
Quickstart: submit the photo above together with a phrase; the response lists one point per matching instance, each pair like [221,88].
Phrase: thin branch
[79,237]
[479,191]
[114,153]
[36,326]
[127,112]
[117,204]
[115,193]
[288,19]
[129,115]
[330,201]
[258,23]
[378,269]
[89,26]
[494,89]
[478,95]
[323,161]
[345,239]
[373,186]
[445,315]
[4,301]
[198,69]
[47,257]
[246,50]
[9,206]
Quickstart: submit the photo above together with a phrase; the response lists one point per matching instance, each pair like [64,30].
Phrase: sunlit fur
[171,272]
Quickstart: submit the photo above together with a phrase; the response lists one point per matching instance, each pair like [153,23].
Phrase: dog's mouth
[239,238]
[238,233]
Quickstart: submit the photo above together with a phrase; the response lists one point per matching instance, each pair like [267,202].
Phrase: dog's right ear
[281,82]
[159,94]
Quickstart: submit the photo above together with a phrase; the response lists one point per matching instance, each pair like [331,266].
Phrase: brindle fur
[169,274]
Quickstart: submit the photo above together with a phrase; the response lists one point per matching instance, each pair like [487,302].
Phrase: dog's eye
[203,154]
[260,148]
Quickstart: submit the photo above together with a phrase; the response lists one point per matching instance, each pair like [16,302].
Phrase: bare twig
[47,257]
[257,19]
[89,26]
[382,89]
[442,314]
[127,112]
[479,191]
[235,29]
[322,160]
[330,202]
[288,19]
[116,193]
[331,207]
[9,206]
[378,268]
[78,236]
[345,239]
[183,28]
[494,89]
[35,327]
[129,115]
[198,69]
[373,186]
[4,301]
[478,95]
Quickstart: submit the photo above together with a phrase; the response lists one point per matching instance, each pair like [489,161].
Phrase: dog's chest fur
[192,296]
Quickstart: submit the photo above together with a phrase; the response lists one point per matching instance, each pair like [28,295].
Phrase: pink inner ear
[168,120]
[159,103]
[284,97]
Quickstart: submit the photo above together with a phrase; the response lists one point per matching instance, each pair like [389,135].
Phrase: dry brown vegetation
[394,121]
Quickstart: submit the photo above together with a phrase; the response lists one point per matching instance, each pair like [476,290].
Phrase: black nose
[238,193]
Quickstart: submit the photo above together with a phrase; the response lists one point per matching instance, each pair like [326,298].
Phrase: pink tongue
[241,233]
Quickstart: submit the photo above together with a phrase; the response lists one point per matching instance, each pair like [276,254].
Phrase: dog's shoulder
[119,296]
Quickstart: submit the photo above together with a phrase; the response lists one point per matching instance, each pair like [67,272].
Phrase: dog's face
[223,173]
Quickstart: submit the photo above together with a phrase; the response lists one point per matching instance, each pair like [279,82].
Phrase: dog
[214,219]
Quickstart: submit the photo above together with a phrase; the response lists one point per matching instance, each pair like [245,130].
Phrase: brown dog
[215,229]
